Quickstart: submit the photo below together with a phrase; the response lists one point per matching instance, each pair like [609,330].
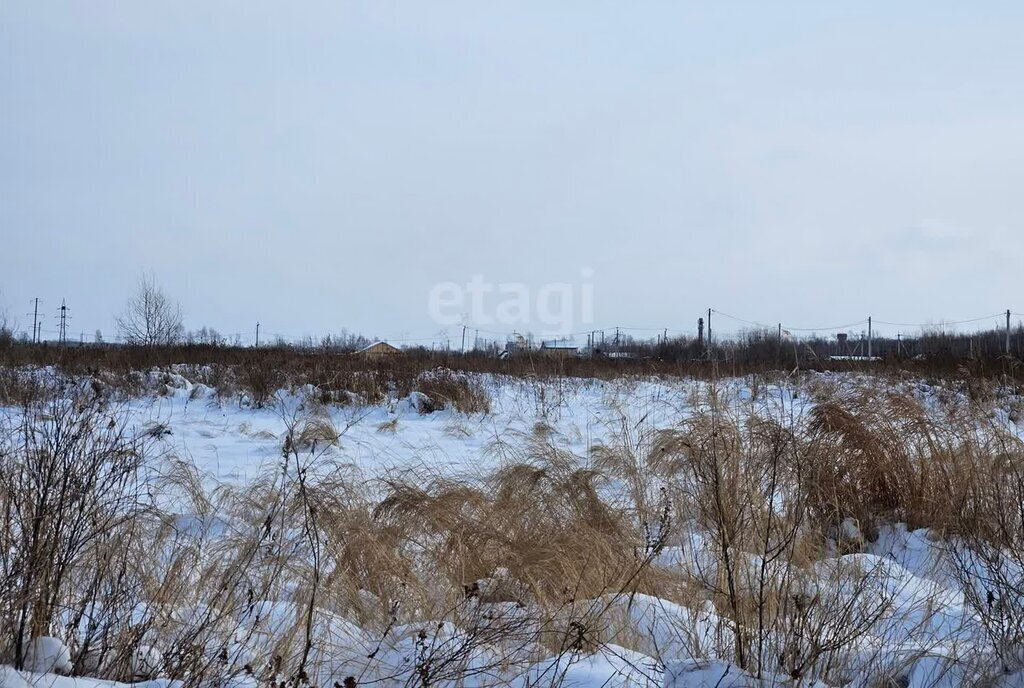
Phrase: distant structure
[842,340]
[515,344]
[559,348]
[379,350]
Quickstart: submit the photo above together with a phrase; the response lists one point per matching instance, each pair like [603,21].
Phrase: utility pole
[35,322]
[869,336]
[780,332]
[257,334]
[709,328]
[463,339]
[1007,331]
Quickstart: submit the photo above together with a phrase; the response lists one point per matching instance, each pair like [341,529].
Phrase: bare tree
[150,317]
[6,327]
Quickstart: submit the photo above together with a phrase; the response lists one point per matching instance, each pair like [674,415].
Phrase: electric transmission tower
[63,337]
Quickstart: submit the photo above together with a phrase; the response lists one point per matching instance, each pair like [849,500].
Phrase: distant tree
[6,328]
[150,317]
[205,335]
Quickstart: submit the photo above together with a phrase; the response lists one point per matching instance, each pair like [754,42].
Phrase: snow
[29,679]
[47,655]
[614,666]
[9,678]
[703,673]
[236,443]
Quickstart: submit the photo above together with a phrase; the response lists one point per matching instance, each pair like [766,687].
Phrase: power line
[742,320]
[791,328]
[825,329]
[942,322]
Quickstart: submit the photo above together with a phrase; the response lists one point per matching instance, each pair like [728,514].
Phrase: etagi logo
[552,308]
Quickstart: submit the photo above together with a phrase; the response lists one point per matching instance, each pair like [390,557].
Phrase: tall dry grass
[144,567]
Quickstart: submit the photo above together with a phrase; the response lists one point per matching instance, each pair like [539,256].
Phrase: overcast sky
[319,166]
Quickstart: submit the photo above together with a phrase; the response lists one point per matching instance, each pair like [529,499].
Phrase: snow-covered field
[899,586]
[234,441]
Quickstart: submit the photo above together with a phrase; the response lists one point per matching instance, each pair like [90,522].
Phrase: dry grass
[885,457]
[388,426]
[444,388]
[318,428]
[547,554]
[544,525]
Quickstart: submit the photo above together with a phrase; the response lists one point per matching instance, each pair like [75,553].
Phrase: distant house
[379,350]
[560,348]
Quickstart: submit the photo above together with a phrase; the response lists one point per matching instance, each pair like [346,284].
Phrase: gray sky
[319,166]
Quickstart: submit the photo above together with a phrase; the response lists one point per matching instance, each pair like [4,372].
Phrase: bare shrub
[70,478]
[737,474]
[150,317]
[21,386]
[260,381]
[988,552]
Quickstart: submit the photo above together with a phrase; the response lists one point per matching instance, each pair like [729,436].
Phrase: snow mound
[47,655]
